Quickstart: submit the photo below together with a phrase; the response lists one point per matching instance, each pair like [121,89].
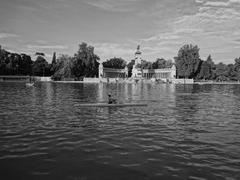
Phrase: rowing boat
[29,84]
[111,105]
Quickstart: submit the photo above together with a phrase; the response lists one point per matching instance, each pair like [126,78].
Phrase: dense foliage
[83,64]
[130,67]
[53,66]
[160,63]
[188,61]
[63,68]
[41,67]
[116,63]
[14,64]
[145,65]
[22,64]
[189,65]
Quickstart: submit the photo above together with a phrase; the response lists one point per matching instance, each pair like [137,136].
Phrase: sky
[116,27]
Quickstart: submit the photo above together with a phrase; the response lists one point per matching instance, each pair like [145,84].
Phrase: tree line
[85,63]
[22,64]
[14,64]
[190,65]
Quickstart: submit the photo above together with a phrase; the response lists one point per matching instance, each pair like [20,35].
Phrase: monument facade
[166,74]
[111,72]
[136,71]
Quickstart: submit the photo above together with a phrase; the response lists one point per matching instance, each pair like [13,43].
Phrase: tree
[205,71]
[210,61]
[235,70]
[14,64]
[39,54]
[25,65]
[222,72]
[237,64]
[161,63]
[53,64]
[64,68]
[40,66]
[169,63]
[144,65]
[188,61]
[115,63]
[86,62]
[54,58]
[130,67]
[232,74]
[212,67]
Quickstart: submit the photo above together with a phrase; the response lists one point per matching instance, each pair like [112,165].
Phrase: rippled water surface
[185,132]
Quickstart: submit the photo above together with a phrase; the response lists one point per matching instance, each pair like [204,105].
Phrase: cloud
[7,35]
[199,1]
[30,46]
[234,1]
[218,25]
[210,18]
[216,3]
[162,37]
[28,8]
[34,6]
[114,5]
[221,3]
[110,50]
[41,41]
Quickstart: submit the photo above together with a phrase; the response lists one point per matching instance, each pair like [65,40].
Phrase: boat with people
[112,102]
[30,84]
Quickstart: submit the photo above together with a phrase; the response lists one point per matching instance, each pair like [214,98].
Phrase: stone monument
[136,72]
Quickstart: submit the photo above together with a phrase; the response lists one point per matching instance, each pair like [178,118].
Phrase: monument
[138,55]
[136,72]
[165,74]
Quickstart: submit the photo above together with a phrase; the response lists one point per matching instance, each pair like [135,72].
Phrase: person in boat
[31,80]
[111,100]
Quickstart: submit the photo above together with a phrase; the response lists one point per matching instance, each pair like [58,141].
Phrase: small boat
[29,84]
[111,105]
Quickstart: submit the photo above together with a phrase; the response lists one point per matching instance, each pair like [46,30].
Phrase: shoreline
[116,80]
[82,82]
[147,82]
[217,83]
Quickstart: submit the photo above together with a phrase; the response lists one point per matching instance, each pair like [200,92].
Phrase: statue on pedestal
[100,70]
[138,47]
[136,72]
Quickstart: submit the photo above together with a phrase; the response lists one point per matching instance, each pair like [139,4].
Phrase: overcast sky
[116,27]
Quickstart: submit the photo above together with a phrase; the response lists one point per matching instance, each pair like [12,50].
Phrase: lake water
[185,132]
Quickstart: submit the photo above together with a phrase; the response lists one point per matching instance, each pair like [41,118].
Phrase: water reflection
[100,92]
[185,132]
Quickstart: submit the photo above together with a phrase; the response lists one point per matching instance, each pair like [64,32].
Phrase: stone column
[100,71]
[126,71]
[173,71]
